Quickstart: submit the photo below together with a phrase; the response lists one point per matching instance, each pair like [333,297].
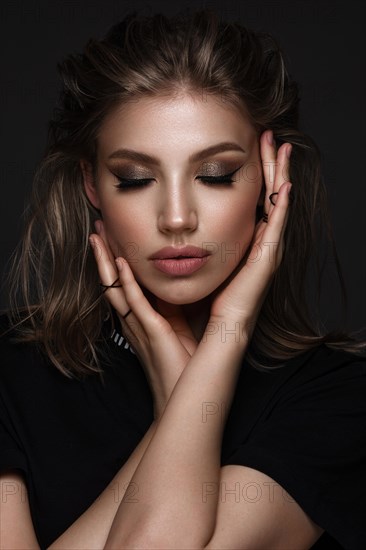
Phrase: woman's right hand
[241,297]
[160,335]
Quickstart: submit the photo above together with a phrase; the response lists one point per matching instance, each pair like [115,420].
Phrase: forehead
[173,123]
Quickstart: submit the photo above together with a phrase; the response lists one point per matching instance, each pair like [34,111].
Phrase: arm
[15,512]
[184,455]
[230,531]
[90,530]
[184,504]
[254,512]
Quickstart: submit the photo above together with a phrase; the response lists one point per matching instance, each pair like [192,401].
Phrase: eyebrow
[143,157]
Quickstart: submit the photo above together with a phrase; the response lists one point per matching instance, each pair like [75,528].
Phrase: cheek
[238,234]
[125,229]
[235,220]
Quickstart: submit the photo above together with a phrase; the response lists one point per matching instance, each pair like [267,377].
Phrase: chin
[183,297]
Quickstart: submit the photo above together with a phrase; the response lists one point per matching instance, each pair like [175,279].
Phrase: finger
[268,155]
[108,274]
[286,168]
[99,226]
[274,232]
[275,167]
[152,322]
[278,215]
[282,175]
[283,165]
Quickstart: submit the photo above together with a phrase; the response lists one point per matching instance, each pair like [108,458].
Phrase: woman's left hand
[161,337]
[244,292]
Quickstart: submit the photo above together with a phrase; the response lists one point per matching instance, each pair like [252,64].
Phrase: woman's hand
[160,337]
[244,292]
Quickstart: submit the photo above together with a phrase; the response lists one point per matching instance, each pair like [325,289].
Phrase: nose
[177,211]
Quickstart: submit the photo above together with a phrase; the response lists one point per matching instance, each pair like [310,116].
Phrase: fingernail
[118,264]
[288,150]
[92,242]
[270,137]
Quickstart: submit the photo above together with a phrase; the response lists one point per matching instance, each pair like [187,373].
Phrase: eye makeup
[213,176]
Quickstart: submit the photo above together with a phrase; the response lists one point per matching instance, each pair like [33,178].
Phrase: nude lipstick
[180,261]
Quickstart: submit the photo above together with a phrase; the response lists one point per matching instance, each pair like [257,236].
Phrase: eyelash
[225,179]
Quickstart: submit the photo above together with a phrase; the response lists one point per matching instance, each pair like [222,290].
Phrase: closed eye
[125,183]
[224,179]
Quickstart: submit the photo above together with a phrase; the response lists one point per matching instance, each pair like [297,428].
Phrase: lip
[188,251]
[180,261]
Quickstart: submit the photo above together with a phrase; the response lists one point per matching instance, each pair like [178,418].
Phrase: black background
[324,44]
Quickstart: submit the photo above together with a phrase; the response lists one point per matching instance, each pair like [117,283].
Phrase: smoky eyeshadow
[214,168]
[205,169]
[131,173]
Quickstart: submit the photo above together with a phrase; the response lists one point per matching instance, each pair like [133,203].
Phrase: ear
[89,183]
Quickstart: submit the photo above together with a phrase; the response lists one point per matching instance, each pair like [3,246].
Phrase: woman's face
[173,145]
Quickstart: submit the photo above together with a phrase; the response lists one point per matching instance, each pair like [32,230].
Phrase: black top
[304,425]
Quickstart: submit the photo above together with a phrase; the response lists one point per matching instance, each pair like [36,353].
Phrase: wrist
[226,330]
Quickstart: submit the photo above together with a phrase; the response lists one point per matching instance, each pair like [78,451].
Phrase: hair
[54,297]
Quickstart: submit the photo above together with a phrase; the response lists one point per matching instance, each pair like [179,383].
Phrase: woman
[166,387]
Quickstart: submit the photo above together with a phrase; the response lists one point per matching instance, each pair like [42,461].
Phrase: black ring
[113,285]
[270,198]
[128,312]
[265,218]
